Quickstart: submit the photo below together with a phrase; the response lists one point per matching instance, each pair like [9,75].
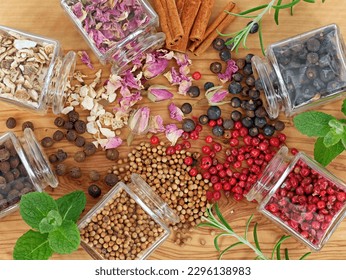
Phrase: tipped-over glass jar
[301,196]
[118,32]
[23,169]
[129,222]
[302,72]
[33,72]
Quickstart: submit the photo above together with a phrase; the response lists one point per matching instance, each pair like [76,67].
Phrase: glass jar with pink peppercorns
[301,196]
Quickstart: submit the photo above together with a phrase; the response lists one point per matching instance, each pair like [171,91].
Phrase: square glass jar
[302,72]
[118,32]
[24,168]
[302,197]
[102,240]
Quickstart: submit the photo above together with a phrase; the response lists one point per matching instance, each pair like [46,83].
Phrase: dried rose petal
[173,133]
[139,120]
[175,112]
[231,68]
[128,101]
[156,124]
[216,95]
[159,93]
[85,59]
[113,143]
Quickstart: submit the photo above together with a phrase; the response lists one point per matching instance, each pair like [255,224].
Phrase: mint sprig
[330,131]
[54,225]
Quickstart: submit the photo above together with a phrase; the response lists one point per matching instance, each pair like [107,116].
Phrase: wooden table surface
[48,19]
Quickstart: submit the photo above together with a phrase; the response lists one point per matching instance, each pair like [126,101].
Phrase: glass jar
[118,32]
[23,169]
[302,72]
[301,196]
[33,72]
[140,221]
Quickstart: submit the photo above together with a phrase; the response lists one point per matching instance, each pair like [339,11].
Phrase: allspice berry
[94,175]
[11,123]
[111,179]
[75,172]
[112,154]
[89,149]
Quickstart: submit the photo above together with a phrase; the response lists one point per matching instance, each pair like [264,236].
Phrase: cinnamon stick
[214,25]
[202,20]
[180,5]
[188,16]
[210,38]
[169,21]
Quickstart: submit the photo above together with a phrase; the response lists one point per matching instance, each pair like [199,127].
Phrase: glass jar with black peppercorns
[23,169]
[303,72]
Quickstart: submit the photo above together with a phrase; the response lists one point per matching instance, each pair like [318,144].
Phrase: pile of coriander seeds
[169,177]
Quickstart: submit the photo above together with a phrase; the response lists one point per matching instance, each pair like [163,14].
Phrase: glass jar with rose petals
[301,196]
[118,32]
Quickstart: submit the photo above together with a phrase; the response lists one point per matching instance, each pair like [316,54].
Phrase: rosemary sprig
[220,223]
[240,36]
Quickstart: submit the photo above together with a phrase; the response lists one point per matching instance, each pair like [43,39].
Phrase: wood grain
[48,19]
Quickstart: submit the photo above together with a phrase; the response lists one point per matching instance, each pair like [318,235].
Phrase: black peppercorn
[71,135]
[75,172]
[89,149]
[225,55]
[313,45]
[47,142]
[229,44]
[268,130]
[59,122]
[94,191]
[214,112]
[250,113]
[260,112]
[254,94]
[94,175]
[247,69]
[73,116]
[111,179]
[235,102]
[58,135]
[11,123]
[28,124]
[215,67]
[236,115]
[247,122]
[218,44]
[237,77]
[61,155]
[235,88]
[254,28]
[79,156]
[193,91]
[203,119]
[240,63]
[228,124]
[311,73]
[253,131]
[208,85]
[186,108]
[279,125]
[250,81]
[188,125]
[260,122]
[79,141]
[312,58]
[218,130]
[112,154]
[52,158]
[80,126]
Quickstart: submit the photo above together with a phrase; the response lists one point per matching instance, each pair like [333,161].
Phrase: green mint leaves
[54,225]
[330,131]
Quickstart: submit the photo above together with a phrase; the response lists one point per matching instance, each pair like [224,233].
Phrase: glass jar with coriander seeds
[33,71]
[129,222]
[301,196]
[24,168]
[303,72]
[118,32]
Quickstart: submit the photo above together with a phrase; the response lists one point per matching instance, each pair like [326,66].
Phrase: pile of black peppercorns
[310,67]
[14,180]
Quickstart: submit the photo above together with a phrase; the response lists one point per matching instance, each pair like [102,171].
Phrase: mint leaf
[337,125]
[71,205]
[313,123]
[343,139]
[35,206]
[51,222]
[331,138]
[325,155]
[65,239]
[343,107]
[32,245]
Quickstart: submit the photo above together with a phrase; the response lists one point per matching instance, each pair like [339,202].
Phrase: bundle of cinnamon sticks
[186,23]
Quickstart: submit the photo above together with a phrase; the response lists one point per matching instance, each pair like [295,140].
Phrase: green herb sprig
[241,35]
[220,223]
[330,133]
[53,225]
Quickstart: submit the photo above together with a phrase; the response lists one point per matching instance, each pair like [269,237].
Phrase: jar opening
[271,173]
[271,102]
[135,51]
[158,206]
[37,160]
[64,74]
